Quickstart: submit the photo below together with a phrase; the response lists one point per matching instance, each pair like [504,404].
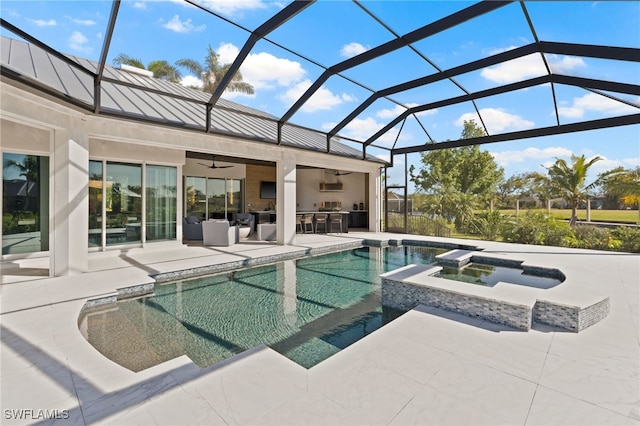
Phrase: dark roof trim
[97,81]
[274,22]
[603,123]
[550,78]
[395,44]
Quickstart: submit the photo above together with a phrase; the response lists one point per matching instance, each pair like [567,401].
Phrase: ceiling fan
[339,173]
[213,165]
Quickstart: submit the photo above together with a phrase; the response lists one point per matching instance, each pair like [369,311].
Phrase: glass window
[25,203]
[161,202]
[234,197]
[216,198]
[196,197]
[95,203]
[123,185]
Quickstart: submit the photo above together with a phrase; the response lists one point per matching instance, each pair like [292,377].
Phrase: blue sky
[329,32]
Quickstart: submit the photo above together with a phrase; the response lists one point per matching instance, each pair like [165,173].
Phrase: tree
[570,180]
[30,169]
[623,184]
[162,70]
[508,190]
[212,72]
[458,178]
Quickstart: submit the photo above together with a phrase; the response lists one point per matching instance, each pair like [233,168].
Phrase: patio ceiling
[415,98]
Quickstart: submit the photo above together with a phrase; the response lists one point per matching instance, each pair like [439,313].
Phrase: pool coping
[516,307]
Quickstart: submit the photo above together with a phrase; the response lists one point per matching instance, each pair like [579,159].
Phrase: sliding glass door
[213,198]
[121,206]
[161,203]
[25,203]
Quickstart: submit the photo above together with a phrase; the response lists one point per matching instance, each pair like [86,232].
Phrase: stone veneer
[407,287]
[403,293]
[573,318]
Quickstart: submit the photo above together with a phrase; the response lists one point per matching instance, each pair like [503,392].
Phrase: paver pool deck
[427,367]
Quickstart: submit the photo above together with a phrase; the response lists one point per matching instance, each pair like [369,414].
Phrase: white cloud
[85,22]
[78,41]
[390,113]
[496,120]
[233,7]
[175,24]
[547,154]
[227,53]
[597,103]
[363,128]
[191,81]
[140,5]
[397,110]
[44,23]
[353,49]
[564,64]
[530,66]
[322,99]
[262,70]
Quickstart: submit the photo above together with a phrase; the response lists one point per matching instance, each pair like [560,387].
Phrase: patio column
[69,251]
[375,202]
[286,199]
[588,209]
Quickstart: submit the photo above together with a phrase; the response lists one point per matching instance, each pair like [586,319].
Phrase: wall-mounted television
[267,189]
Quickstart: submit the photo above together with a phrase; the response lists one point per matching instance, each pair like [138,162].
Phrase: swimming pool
[307,309]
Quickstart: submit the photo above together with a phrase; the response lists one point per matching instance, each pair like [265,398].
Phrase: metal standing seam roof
[124,93]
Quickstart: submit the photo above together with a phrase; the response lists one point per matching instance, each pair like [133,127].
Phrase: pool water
[307,309]
[489,276]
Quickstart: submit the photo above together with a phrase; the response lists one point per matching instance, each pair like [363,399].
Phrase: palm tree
[162,70]
[569,180]
[212,72]
[624,183]
[29,168]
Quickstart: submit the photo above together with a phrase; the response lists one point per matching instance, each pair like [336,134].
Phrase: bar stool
[335,218]
[321,219]
[307,220]
[299,223]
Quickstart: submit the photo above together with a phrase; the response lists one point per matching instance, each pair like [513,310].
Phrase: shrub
[629,238]
[593,237]
[488,225]
[526,229]
[536,228]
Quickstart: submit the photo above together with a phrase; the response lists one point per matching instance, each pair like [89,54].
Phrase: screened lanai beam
[433,78]
[586,83]
[542,56]
[587,50]
[97,80]
[603,123]
[271,24]
[631,54]
[424,58]
[395,44]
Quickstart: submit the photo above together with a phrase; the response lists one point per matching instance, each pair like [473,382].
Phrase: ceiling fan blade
[213,166]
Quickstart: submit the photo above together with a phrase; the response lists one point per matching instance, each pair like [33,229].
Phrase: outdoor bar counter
[345,218]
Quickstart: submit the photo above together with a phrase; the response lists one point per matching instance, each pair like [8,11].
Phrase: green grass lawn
[627,216]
